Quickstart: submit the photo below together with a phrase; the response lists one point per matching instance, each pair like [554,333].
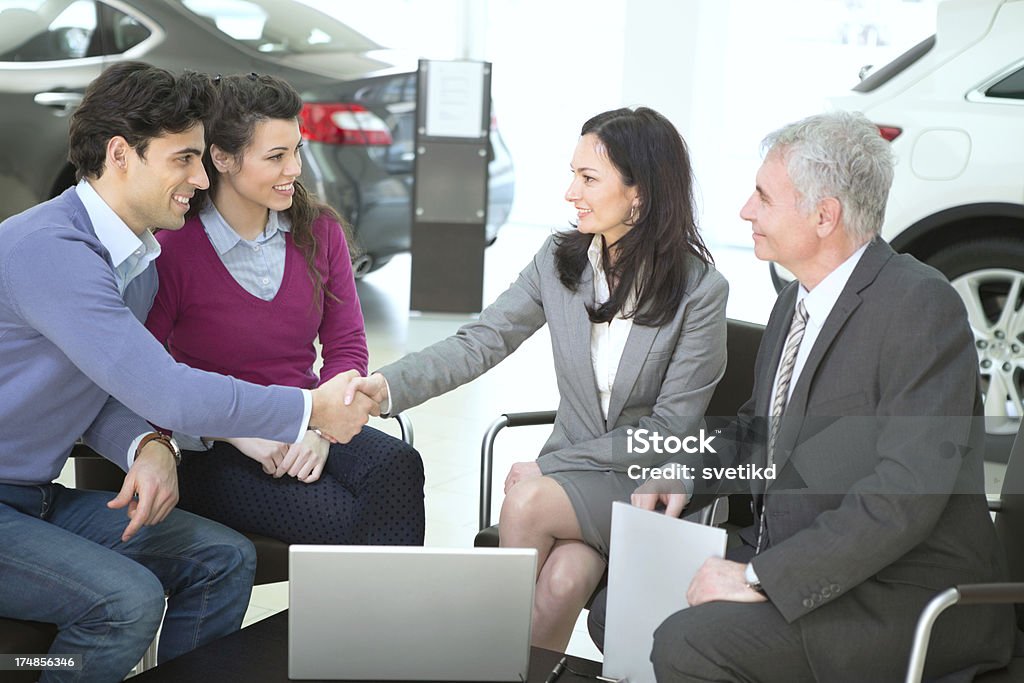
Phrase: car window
[123,30]
[274,26]
[38,31]
[1011,87]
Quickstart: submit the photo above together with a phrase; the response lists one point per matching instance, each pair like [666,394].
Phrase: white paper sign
[455,99]
[653,559]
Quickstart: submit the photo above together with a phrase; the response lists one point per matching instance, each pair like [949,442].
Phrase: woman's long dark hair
[244,101]
[653,255]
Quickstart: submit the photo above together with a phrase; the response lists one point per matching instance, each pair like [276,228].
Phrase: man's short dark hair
[138,102]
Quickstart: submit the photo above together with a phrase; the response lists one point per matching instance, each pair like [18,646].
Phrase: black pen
[556,672]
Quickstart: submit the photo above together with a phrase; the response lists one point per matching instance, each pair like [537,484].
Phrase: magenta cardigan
[208,321]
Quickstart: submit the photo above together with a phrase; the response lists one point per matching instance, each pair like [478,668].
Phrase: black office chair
[96,473]
[1009,511]
[737,385]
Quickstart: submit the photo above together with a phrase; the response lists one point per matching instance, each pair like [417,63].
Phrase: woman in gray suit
[637,320]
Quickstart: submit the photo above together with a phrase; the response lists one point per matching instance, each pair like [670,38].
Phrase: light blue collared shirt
[131,254]
[257,265]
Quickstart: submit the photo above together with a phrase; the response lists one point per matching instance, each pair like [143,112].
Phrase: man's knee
[238,555]
[684,649]
[224,552]
[132,603]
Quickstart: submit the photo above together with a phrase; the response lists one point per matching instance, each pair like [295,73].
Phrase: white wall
[726,72]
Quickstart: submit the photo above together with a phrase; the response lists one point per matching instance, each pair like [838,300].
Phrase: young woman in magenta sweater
[259,271]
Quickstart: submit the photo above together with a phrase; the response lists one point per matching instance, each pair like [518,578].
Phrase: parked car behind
[953,108]
[357,121]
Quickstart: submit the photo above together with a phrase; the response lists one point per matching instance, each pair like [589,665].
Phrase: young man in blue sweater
[76,280]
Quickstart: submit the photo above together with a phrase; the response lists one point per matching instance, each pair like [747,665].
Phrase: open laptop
[410,614]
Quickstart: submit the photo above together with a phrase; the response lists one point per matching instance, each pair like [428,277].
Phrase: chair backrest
[1010,518]
[737,385]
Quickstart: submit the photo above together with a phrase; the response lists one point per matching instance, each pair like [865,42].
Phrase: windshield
[279,26]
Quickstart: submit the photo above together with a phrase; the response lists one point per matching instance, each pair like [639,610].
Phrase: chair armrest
[487,452]
[541,417]
[990,593]
[964,594]
[405,424]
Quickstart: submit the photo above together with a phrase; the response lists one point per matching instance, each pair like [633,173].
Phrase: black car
[357,121]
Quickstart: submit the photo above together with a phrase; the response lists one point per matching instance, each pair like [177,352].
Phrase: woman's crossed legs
[537,513]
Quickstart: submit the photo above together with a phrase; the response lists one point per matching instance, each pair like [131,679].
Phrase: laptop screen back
[397,613]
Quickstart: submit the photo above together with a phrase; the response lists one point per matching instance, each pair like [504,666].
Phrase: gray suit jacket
[664,380]
[879,498]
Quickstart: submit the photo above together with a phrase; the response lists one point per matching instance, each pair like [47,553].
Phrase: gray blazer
[873,511]
[664,380]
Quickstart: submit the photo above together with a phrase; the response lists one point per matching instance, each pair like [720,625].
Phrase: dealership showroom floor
[448,429]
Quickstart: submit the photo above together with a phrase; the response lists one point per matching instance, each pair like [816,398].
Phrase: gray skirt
[592,495]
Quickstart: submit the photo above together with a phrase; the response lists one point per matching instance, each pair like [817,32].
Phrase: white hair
[838,154]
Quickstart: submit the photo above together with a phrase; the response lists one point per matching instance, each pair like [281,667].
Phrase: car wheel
[367,263]
[987,275]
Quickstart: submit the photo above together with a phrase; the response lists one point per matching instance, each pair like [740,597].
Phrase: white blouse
[607,340]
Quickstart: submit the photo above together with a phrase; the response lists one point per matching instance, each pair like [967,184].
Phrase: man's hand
[373,386]
[305,460]
[660,491]
[721,580]
[153,477]
[268,454]
[337,420]
[520,471]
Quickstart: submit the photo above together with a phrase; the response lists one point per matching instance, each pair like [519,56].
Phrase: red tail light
[890,133]
[343,124]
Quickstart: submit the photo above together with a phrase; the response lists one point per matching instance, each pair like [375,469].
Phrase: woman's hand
[305,460]
[653,492]
[373,386]
[520,471]
[268,454]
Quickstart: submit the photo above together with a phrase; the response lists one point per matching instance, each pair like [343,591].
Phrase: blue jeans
[63,562]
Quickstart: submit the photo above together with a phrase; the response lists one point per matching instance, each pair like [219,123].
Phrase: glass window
[35,32]
[279,27]
[1011,87]
[38,31]
[125,31]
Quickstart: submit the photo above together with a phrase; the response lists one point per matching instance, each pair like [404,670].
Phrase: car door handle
[64,101]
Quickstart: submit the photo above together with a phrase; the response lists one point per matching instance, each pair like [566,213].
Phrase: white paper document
[455,99]
[653,559]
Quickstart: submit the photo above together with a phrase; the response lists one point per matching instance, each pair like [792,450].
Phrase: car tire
[987,274]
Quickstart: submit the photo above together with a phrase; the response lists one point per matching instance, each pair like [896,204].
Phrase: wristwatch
[171,444]
[753,583]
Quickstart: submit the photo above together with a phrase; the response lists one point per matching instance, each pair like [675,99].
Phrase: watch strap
[167,441]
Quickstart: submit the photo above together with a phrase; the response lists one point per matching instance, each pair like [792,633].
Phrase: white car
[953,108]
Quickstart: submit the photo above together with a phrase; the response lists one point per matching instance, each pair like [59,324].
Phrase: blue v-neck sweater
[76,361]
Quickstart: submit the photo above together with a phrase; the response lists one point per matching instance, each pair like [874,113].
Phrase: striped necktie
[785,375]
